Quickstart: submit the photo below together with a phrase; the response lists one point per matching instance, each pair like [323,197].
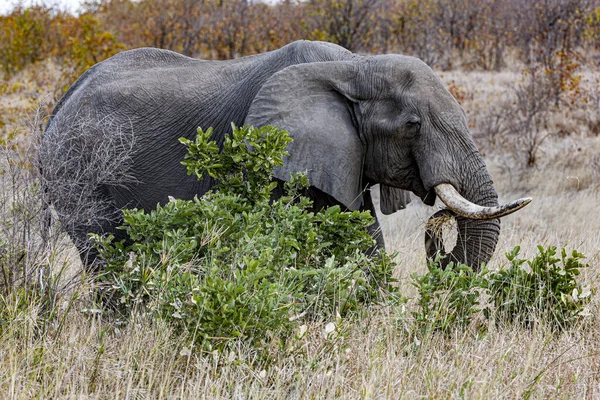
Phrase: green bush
[236,264]
[448,297]
[546,292]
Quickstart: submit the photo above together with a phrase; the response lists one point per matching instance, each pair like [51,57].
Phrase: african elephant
[112,140]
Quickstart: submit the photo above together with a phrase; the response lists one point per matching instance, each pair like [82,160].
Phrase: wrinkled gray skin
[356,121]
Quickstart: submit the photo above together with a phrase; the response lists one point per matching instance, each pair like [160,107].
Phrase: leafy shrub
[236,265]
[448,297]
[548,292]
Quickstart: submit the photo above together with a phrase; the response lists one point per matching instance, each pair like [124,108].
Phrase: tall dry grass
[83,355]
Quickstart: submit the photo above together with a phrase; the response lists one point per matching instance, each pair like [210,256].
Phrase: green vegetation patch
[543,289]
[236,264]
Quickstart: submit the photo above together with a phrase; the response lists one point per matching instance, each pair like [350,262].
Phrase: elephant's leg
[87,252]
[95,214]
[375,228]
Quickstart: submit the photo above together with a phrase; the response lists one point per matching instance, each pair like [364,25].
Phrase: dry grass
[83,356]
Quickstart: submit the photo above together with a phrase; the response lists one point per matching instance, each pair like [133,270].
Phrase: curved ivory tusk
[463,207]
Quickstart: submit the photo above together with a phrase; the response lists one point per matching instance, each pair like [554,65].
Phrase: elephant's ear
[392,199]
[313,102]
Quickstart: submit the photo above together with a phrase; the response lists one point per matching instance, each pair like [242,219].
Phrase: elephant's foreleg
[91,214]
[87,252]
[375,228]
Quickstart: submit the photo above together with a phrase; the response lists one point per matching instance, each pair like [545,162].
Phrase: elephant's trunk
[477,238]
[475,242]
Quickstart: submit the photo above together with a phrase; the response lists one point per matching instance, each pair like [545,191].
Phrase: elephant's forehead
[399,67]
[409,80]
[396,74]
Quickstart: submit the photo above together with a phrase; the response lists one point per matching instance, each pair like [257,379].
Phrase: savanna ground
[81,354]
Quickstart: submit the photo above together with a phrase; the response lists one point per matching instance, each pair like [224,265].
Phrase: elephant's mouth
[418,188]
[428,197]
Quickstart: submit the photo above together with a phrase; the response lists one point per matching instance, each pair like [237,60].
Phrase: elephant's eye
[413,124]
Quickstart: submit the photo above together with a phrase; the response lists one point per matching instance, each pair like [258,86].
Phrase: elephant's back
[149,98]
[132,80]
[147,57]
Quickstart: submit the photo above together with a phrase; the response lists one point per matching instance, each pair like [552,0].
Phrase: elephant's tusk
[461,206]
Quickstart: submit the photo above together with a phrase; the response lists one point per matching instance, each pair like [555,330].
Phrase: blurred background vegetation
[472,34]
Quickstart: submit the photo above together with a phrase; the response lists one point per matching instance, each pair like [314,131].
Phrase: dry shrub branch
[31,246]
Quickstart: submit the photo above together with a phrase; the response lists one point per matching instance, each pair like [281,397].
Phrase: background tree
[23,37]
[344,22]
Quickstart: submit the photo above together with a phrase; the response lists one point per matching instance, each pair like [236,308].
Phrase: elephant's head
[388,120]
